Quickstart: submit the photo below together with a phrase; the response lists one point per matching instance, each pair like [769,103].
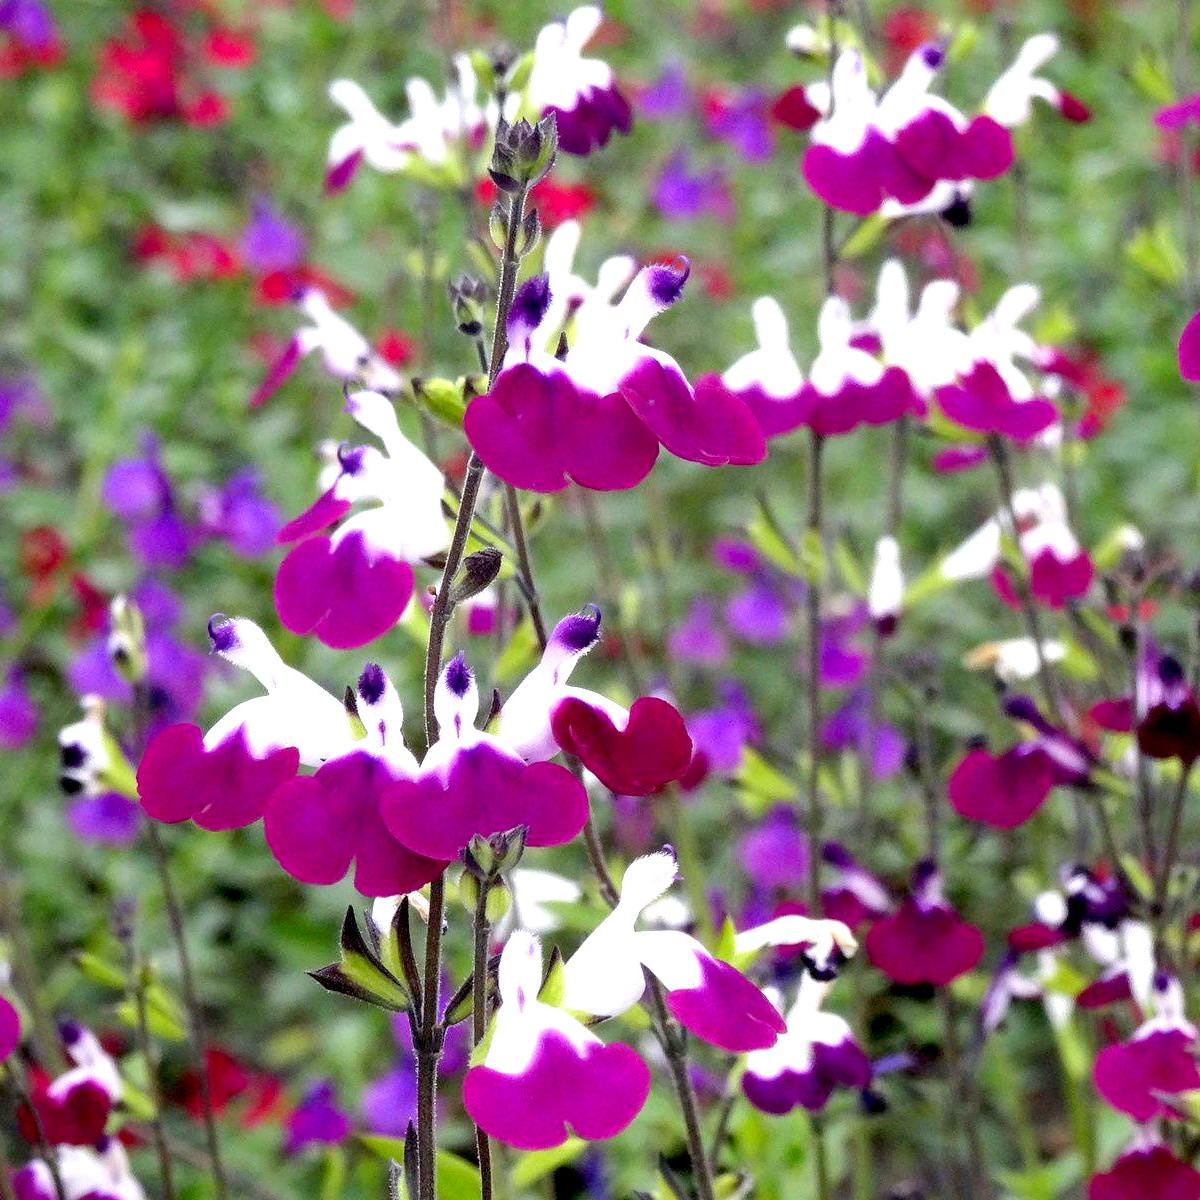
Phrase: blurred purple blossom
[668,96]
[18,713]
[682,194]
[842,662]
[742,119]
[270,242]
[759,613]
[240,514]
[724,731]
[773,853]
[698,637]
[850,728]
[109,818]
[317,1120]
[30,23]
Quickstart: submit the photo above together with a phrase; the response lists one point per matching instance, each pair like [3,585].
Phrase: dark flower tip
[1162,981]
[222,633]
[70,1031]
[957,213]
[580,630]
[933,54]
[1170,670]
[667,280]
[836,855]
[924,873]
[458,676]
[1022,708]
[350,458]
[372,683]
[530,303]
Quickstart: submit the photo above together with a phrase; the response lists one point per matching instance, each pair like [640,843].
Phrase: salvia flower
[18,713]
[1166,711]
[1137,1077]
[10,1029]
[597,417]
[101,1172]
[1146,1168]
[715,1001]
[544,1075]
[581,92]
[852,895]
[73,1108]
[824,943]
[352,585]
[428,142]
[222,779]
[924,941]
[345,353]
[472,783]
[817,1054]
[1004,790]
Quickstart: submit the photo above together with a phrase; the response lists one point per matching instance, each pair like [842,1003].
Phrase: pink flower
[924,940]
[10,1029]
[1147,1169]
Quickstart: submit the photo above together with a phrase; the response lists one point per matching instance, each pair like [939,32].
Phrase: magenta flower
[74,1107]
[852,894]
[581,92]
[545,1075]
[606,975]
[1168,716]
[472,783]
[817,1054]
[223,779]
[924,941]
[1148,1168]
[597,417]
[1179,113]
[353,585]
[1159,1061]
[981,401]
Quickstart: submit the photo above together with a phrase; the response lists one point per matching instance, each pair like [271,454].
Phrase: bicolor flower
[345,353]
[581,92]
[1137,1077]
[852,894]
[101,1172]
[222,779]
[352,585]
[714,1000]
[1166,711]
[1010,99]
[597,416]
[634,752]
[924,941]
[474,783]
[816,1054]
[1004,790]
[885,593]
[824,943]
[1147,1168]
[320,824]
[73,1108]
[544,1075]
[429,141]
[1015,660]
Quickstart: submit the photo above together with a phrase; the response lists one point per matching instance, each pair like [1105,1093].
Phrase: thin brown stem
[45,1151]
[479,1023]
[191,1002]
[814,814]
[428,1045]
[516,523]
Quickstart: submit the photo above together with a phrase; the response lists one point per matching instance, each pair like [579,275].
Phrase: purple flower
[681,194]
[389,1103]
[721,733]
[842,662]
[29,22]
[137,488]
[1179,113]
[698,637]
[850,727]
[18,714]
[109,818]
[239,513]
[744,121]
[270,242]
[19,396]
[759,613]
[316,1120]
[668,96]
[773,853]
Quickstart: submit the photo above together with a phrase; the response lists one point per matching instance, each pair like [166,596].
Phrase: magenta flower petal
[326,510]
[849,182]
[1054,581]
[538,431]
[1144,1173]
[345,594]
[179,779]
[776,415]
[653,749]
[932,148]
[317,825]
[727,1010]
[1189,350]
[711,426]
[277,373]
[593,1091]
[339,174]
[10,1029]
[1131,1075]
[987,148]
[485,791]
[1001,790]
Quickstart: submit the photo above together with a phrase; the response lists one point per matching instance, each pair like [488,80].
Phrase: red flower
[228,48]
[556,202]
[395,347]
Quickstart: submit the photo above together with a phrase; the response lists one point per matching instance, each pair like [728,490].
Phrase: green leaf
[537,1164]
[101,972]
[865,236]
[760,784]
[1154,250]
